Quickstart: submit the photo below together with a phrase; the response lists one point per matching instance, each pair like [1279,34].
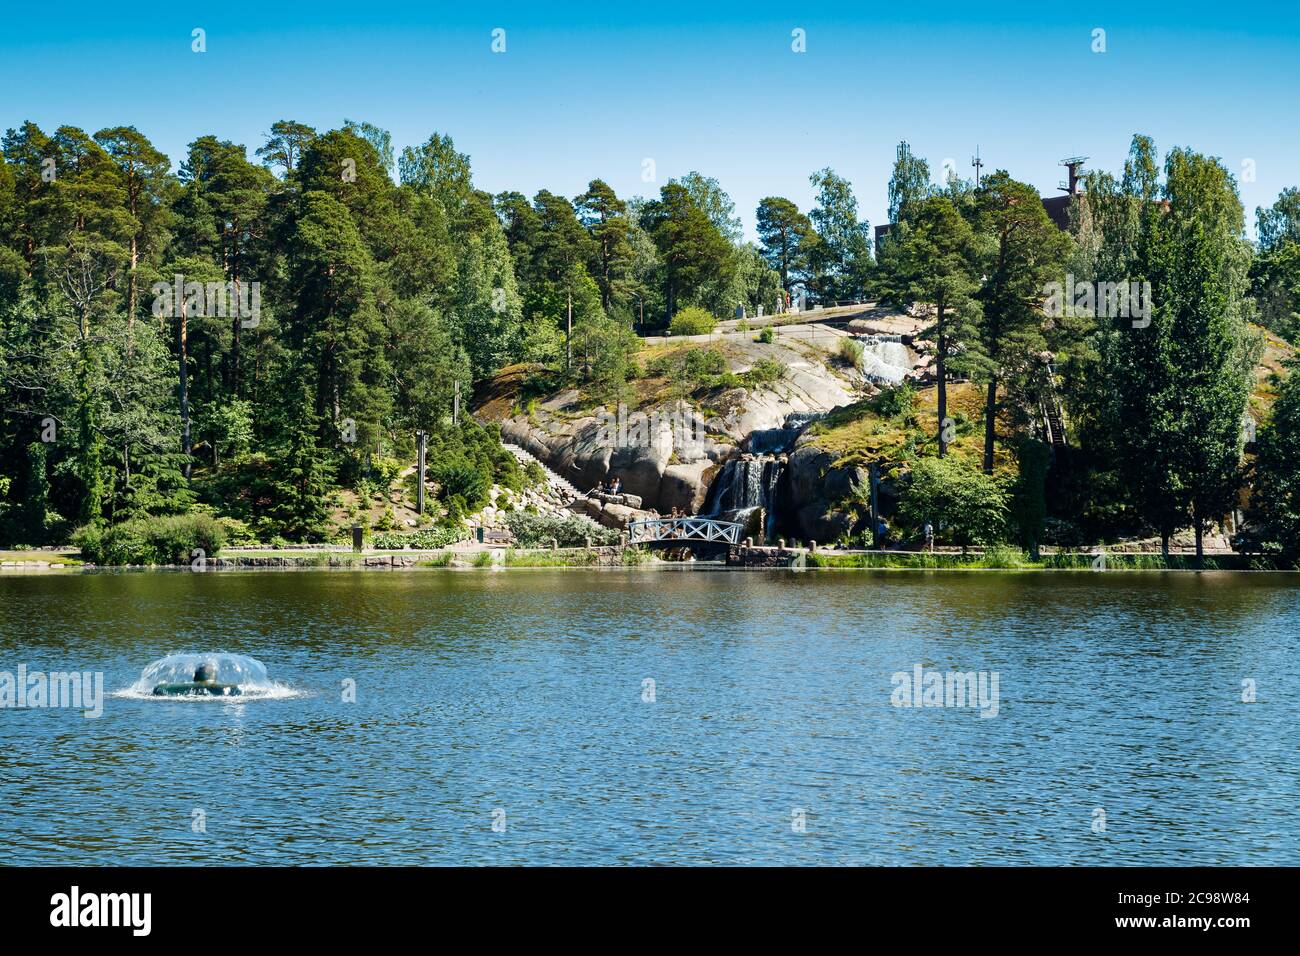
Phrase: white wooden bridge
[684,532]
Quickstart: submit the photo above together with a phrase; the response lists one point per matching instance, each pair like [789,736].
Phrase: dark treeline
[247,333]
[1138,325]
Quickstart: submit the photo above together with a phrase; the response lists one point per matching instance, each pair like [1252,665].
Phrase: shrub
[693,320]
[691,368]
[764,372]
[965,505]
[534,474]
[236,532]
[850,352]
[430,539]
[767,335]
[169,540]
[569,531]
[459,478]
[895,401]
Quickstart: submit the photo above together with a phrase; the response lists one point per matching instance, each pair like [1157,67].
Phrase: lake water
[520,699]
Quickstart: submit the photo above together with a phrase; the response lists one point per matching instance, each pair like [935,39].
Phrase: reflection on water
[521,698]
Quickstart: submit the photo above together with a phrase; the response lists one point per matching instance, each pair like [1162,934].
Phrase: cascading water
[744,485]
[885,359]
[776,441]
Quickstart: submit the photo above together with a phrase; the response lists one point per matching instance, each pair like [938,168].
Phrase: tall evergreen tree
[692,251]
[936,263]
[605,216]
[1025,251]
[787,236]
[1200,263]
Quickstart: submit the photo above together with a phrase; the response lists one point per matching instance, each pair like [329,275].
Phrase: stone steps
[552,479]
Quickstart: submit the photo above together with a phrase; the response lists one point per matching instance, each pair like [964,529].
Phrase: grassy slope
[507,392]
[859,434]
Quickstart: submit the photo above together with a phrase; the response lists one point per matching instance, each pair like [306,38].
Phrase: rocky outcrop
[662,456]
[667,454]
[821,488]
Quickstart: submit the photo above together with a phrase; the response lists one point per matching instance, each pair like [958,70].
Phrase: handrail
[687,529]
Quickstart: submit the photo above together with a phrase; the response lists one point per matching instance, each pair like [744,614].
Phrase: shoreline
[547,560]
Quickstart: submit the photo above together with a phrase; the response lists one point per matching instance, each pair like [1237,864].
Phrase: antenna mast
[978,164]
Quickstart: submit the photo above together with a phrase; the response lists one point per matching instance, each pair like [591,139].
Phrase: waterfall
[885,358]
[744,485]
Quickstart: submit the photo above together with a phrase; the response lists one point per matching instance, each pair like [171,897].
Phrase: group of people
[612,485]
[882,534]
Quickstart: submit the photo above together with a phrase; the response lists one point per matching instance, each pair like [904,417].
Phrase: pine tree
[787,236]
[935,262]
[1024,251]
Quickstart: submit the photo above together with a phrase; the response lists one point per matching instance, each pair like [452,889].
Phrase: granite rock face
[668,454]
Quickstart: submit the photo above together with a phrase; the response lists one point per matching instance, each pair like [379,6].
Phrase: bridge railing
[686,530]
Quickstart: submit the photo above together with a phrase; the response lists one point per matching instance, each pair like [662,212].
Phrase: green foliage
[965,506]
[909,184]
[228,427]
[378,300]
[895,401]
[849,351]
[520,558]
[430,539]
[299,483]
[1274,516]
[570,531]
[693,320]
[459,478]
[933,260]
[534,474]
[1002,556]
[690,369]
[387,521]
[694,254]
[236,533]
[603,349]
[169,540]
[1028,509]
[1021,250]
[841,258]
[763,372]
[788,238]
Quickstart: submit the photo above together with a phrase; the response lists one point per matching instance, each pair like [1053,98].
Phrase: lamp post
[420,437]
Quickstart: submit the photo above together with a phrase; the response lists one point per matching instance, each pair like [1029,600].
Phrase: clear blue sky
[596,88]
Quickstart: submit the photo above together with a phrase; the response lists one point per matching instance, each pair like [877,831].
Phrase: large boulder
[663,456]
[819,488]
[817,523]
